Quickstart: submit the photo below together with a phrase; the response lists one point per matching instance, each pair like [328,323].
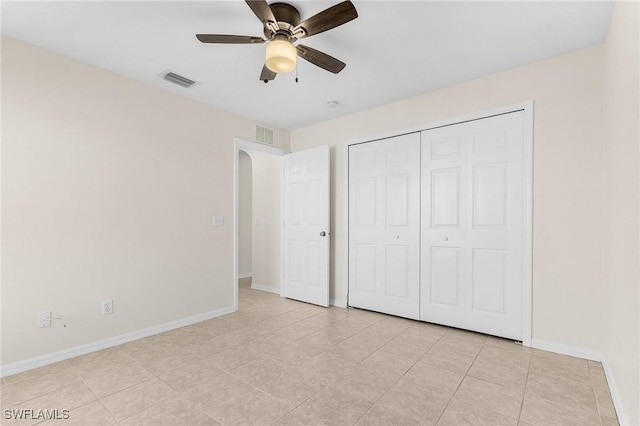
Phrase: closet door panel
[384,217]
[472,205]
[443,238]
[496,228]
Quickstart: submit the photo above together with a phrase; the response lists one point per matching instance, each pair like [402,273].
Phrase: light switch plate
[44,319]
[218,220]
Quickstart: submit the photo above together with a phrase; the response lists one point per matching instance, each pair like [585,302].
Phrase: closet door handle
[322,234]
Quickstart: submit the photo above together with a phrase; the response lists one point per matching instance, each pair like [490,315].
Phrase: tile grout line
[349,368]
[594,394]
[90,390]
[566,381]
[526,382]
[321,389]
[399,378]
[300,404]
[87,385]
[282,374]
[327,350]
[460,384]
[69,367]
[122,390]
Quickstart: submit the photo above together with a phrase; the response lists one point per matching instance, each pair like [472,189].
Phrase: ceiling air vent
[264,135]
[178,79]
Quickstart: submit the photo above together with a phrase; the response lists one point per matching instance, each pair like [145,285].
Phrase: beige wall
[109,187]
[267,229]
[245,222]
[568,180]
[622,207]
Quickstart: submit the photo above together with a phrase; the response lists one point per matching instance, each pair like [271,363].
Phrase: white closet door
[384,225]
[473,225]
[306,226]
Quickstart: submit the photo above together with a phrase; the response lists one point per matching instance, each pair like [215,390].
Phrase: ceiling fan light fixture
[282,26]
[281,56]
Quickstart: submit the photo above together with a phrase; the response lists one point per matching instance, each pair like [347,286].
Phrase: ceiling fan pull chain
[296,71]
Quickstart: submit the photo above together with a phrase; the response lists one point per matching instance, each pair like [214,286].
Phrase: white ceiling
[393,50]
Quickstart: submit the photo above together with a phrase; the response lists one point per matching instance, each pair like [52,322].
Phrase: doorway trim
[527,107]
[241,145]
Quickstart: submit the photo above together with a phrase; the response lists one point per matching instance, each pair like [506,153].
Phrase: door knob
[446,238]
[322,234]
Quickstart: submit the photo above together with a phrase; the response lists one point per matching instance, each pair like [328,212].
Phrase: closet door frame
[527,249]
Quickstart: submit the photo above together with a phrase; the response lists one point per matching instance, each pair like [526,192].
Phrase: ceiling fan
[282,27]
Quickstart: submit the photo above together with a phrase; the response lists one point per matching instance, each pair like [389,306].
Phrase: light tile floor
[285,362]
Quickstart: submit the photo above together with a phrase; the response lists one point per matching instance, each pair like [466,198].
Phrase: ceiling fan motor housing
[288,18]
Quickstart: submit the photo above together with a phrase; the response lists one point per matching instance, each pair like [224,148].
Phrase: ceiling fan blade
[262,10]
[330,18]
[229,39]
[267,74]
[320,59]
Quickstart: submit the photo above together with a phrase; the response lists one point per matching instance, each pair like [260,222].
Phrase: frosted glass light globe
[281,56]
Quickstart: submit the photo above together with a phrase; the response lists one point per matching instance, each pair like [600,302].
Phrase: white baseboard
[42,360]
[340,303]
[265,288]
[615,394]
[559,348]
[245,275]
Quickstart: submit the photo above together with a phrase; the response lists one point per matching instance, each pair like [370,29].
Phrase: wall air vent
[178,79]
[264,135]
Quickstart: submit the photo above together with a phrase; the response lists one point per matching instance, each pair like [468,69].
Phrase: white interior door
[473,225]
[384,225]
[306,226]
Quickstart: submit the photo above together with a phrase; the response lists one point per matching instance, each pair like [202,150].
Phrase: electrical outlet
[107,307]
[44,319]
[218,220]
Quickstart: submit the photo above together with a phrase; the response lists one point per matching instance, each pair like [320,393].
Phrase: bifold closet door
[384,225]
[473,225]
